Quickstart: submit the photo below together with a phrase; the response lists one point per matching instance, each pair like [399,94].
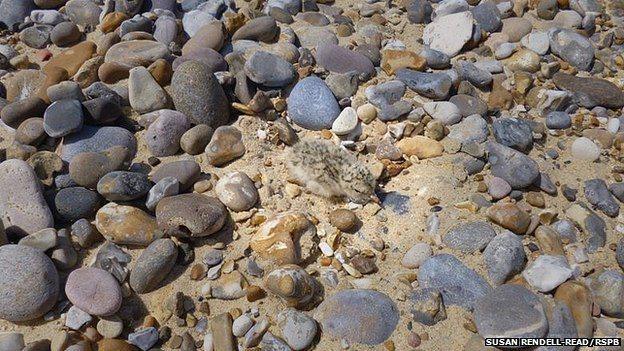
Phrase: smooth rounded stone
[338,59]
[194,140]
[241,325]
[103,110]
[13,12]
[470,72]
[43,240]
[504,257]
[516,28]
[110,326]
[498,188]
[469,237]
[443,111]
[342,85]
[432,85]
[206,56]
[30,132]
[15,113]
[197,93]
[67,90]
[29,283]
[97,139]
[269,70]
[193,20]
[37,36]
[358,316]
[516,168]
[510,311]
[590,92]
[185,171]
[164,134]
[62,118]
[558,120]
[65,34]
[84,233]
[458,284]
[75,203]
[416,255]
[123,186]
[10,341]
[84,13]
[568,19]
[536,41]
[312,105]
[145,93]
[263,29]
[547,9]
[346,122]
[21,84]
[419,11]
[210,35]
[547,272]
[135,24]
[472,129]
[237,191]
[572,47]
[225,145]
[153,265]
[585,149]
[126,225]
[487,16]
[311,37]
[513,132]
[505,50]
[94,291]
[291,6]
[167,186]
[617,189]
[112,72]
[115,345]
[165,30]
[87,168]
[23,208]
[523,60]
[190,215]
[298,329]
[450,33]
[608,291]
[136,53]
[597,194]
[469,105]
[421,147]
[435,59]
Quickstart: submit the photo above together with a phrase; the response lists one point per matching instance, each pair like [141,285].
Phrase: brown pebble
[149,321]
[482,187]
[204,307]
[413,340]
[326,134]
[198,272]
[432,201]
[535,199]
[325,261]
[389,345]
[343,219]
[235,312]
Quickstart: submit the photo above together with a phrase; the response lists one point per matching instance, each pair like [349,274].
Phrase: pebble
[97,139]
[225,145]
[572,47]
[584,149]
[298,329]
[269,70]
[123,186]
[516,168]
[514,133]
[416,255]
[153,265]
[607,288]
[74,203]
[110,326]
[443,111]
[29,284]
[432,85]
[94,291]
[190,215]
[145,93]
[358,316]
[144,338]
[510,311]
[76,318]
[547,272]
[597,194]
[185,171]
[241,325]
[343,219]
[504,257]
[194,140]
[263,29]
[421,147]
[458,284]
[164,134]
[469,237]
[134,53]
[24,209]
[197,94]
[602,92]
[346,122]
[126,225]
[167,186]
[11,341]
[449,34]
[237,191]
[65,34]
[337,59]
[312,105]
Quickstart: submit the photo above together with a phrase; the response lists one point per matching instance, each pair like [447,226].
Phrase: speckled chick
[330,171]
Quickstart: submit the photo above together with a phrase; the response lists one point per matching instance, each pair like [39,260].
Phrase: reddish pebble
[413,340]
[44,54]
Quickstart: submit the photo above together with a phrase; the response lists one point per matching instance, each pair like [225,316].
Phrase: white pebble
[585,149]
[346,122]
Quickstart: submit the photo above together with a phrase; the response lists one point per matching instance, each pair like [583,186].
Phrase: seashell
[293,285]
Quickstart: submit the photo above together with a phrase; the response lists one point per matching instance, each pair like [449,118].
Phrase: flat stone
[597,194]
[298,329]
[153,265]
[458,284]
[123,186]
[135,53]
[337,59]
[190,215]
[29,285]
[547,272]
[263,29]
[62,118]
[516,168]
[226,145]
[145,93]
[237,191]
[504,257]
[185,171]
[516,28]
[472,129]
[432,85]
[608,289]
[513,132]
[127,225]
[469,237]
[510,311]
[450,33]
[359,316]
[74,203]
[443,111]
[94,291]
[269,70]
[71,59]
[572,47]
[97,139]
[163,136]
[23,208]
[590,92]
